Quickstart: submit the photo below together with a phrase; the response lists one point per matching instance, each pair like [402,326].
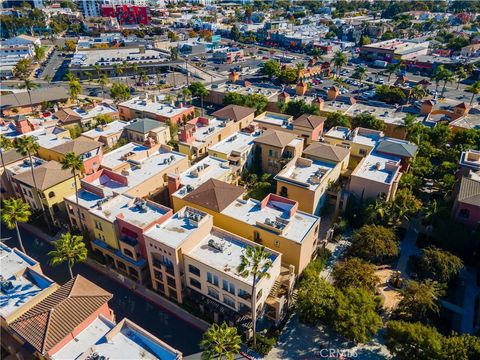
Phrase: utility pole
[186,68]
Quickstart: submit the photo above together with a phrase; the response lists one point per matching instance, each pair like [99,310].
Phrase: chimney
[173,183]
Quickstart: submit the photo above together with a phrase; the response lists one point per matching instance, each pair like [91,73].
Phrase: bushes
[264,344]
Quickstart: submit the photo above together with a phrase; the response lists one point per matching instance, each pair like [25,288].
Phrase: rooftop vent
[215,245]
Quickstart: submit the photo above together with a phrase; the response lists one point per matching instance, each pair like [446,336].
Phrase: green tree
[367,120]
[74,163]
[39,53]
[118,70]
[460,347]
[474,89]
[460,75]
[5,145]
[374,243]
[390,95]
[337,119]
[22,69]
[235,33]
[173,53]
[413,341]
[220,342]
[29,85]
[70,249]
[339,60]
[355,315]
[360,73]
[103,81]
[299,107]
[119,92]
[271,68]
[254,264]
[419,300]
[315,300]
[74,89]
[288,75]
[392,69]
[70,45]
[258,188]
[28,146]
[417,93]
[447,77]
[199,90]
[439,265]
[15,211]
[355,273]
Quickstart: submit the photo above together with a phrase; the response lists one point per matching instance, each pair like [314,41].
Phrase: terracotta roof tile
[46,175]
[214,194]
[309,121]
[326,152]
[78,146]
[275,138]
[234,112]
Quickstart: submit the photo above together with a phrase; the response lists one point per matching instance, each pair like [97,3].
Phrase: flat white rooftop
[203,132]
[157,108]
[106,130]
[138,212]
[206,169]
[86,199]
[101,109]
[378,167]
[175,230]
[48,138]
[276,119]
[238,142]
[24,165]
[338,132]
[305,173]
[109,57]
[13,261]
[249,211]
[222,251]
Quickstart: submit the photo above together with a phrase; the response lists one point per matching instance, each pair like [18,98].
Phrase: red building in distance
[127,14]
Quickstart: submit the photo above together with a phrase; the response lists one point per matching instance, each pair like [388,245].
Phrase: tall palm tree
[74,89]
[135,69]
[220,341]
[15,211]
[174,53]
[29,85]
[5,145]
[460,75]
[28,146]
[392,69]
[74,163]
[447,77]
[437,76]
[118,70]
[339,61]
[474,89]
[360,73]
[98,69]
[70,249]
[125,68]
[103,81]
[186,94]
[255,264]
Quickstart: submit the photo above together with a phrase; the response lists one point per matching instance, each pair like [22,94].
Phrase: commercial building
[90,151]
[227,56]
[394,49]
[53,184]
[15,49]
[307,181]
[142,130]
[127,14]
[149,107]
[274,222]
[276,149]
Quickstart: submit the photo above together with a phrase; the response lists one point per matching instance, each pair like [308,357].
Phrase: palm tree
[103,81]
[392,69]
[360,73]
[118,70]
[460,75]
[5,145]
[417,92]
[474,89]
[70,249]
[135,69]
[74,89]
[28,146]
[437,76]
[220,341]
[339,61]
[15,211]
[70,77]
[198,89]
[186,94]
[98,69]
[255,264]
[447,77]
[29,85]
[125,67]
[73,162]
[174,53]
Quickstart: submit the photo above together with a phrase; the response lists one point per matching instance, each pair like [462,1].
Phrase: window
[225,285]
[213,293]
[259,294]
[243,307]
[195,283]
[121,266]
[51,194]
[362,152]
[276,243]
[194,270]
[284,191]
[158,275]
[243,294]
[212,279]
[171,282]
[464,213]
[229,301]
[98,225]
[128,253]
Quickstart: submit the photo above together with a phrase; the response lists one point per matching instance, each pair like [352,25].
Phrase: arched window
[51,194]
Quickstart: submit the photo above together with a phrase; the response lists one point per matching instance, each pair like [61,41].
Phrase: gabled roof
[462,105]
[46,175]
[403,149]
[67,116]
[469,192]
[143,126]
[326,152]
[78,146]
[214,194]
[11,156]
[309,121]
[38,96]
[275,138]
[55,317]
[234,112]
